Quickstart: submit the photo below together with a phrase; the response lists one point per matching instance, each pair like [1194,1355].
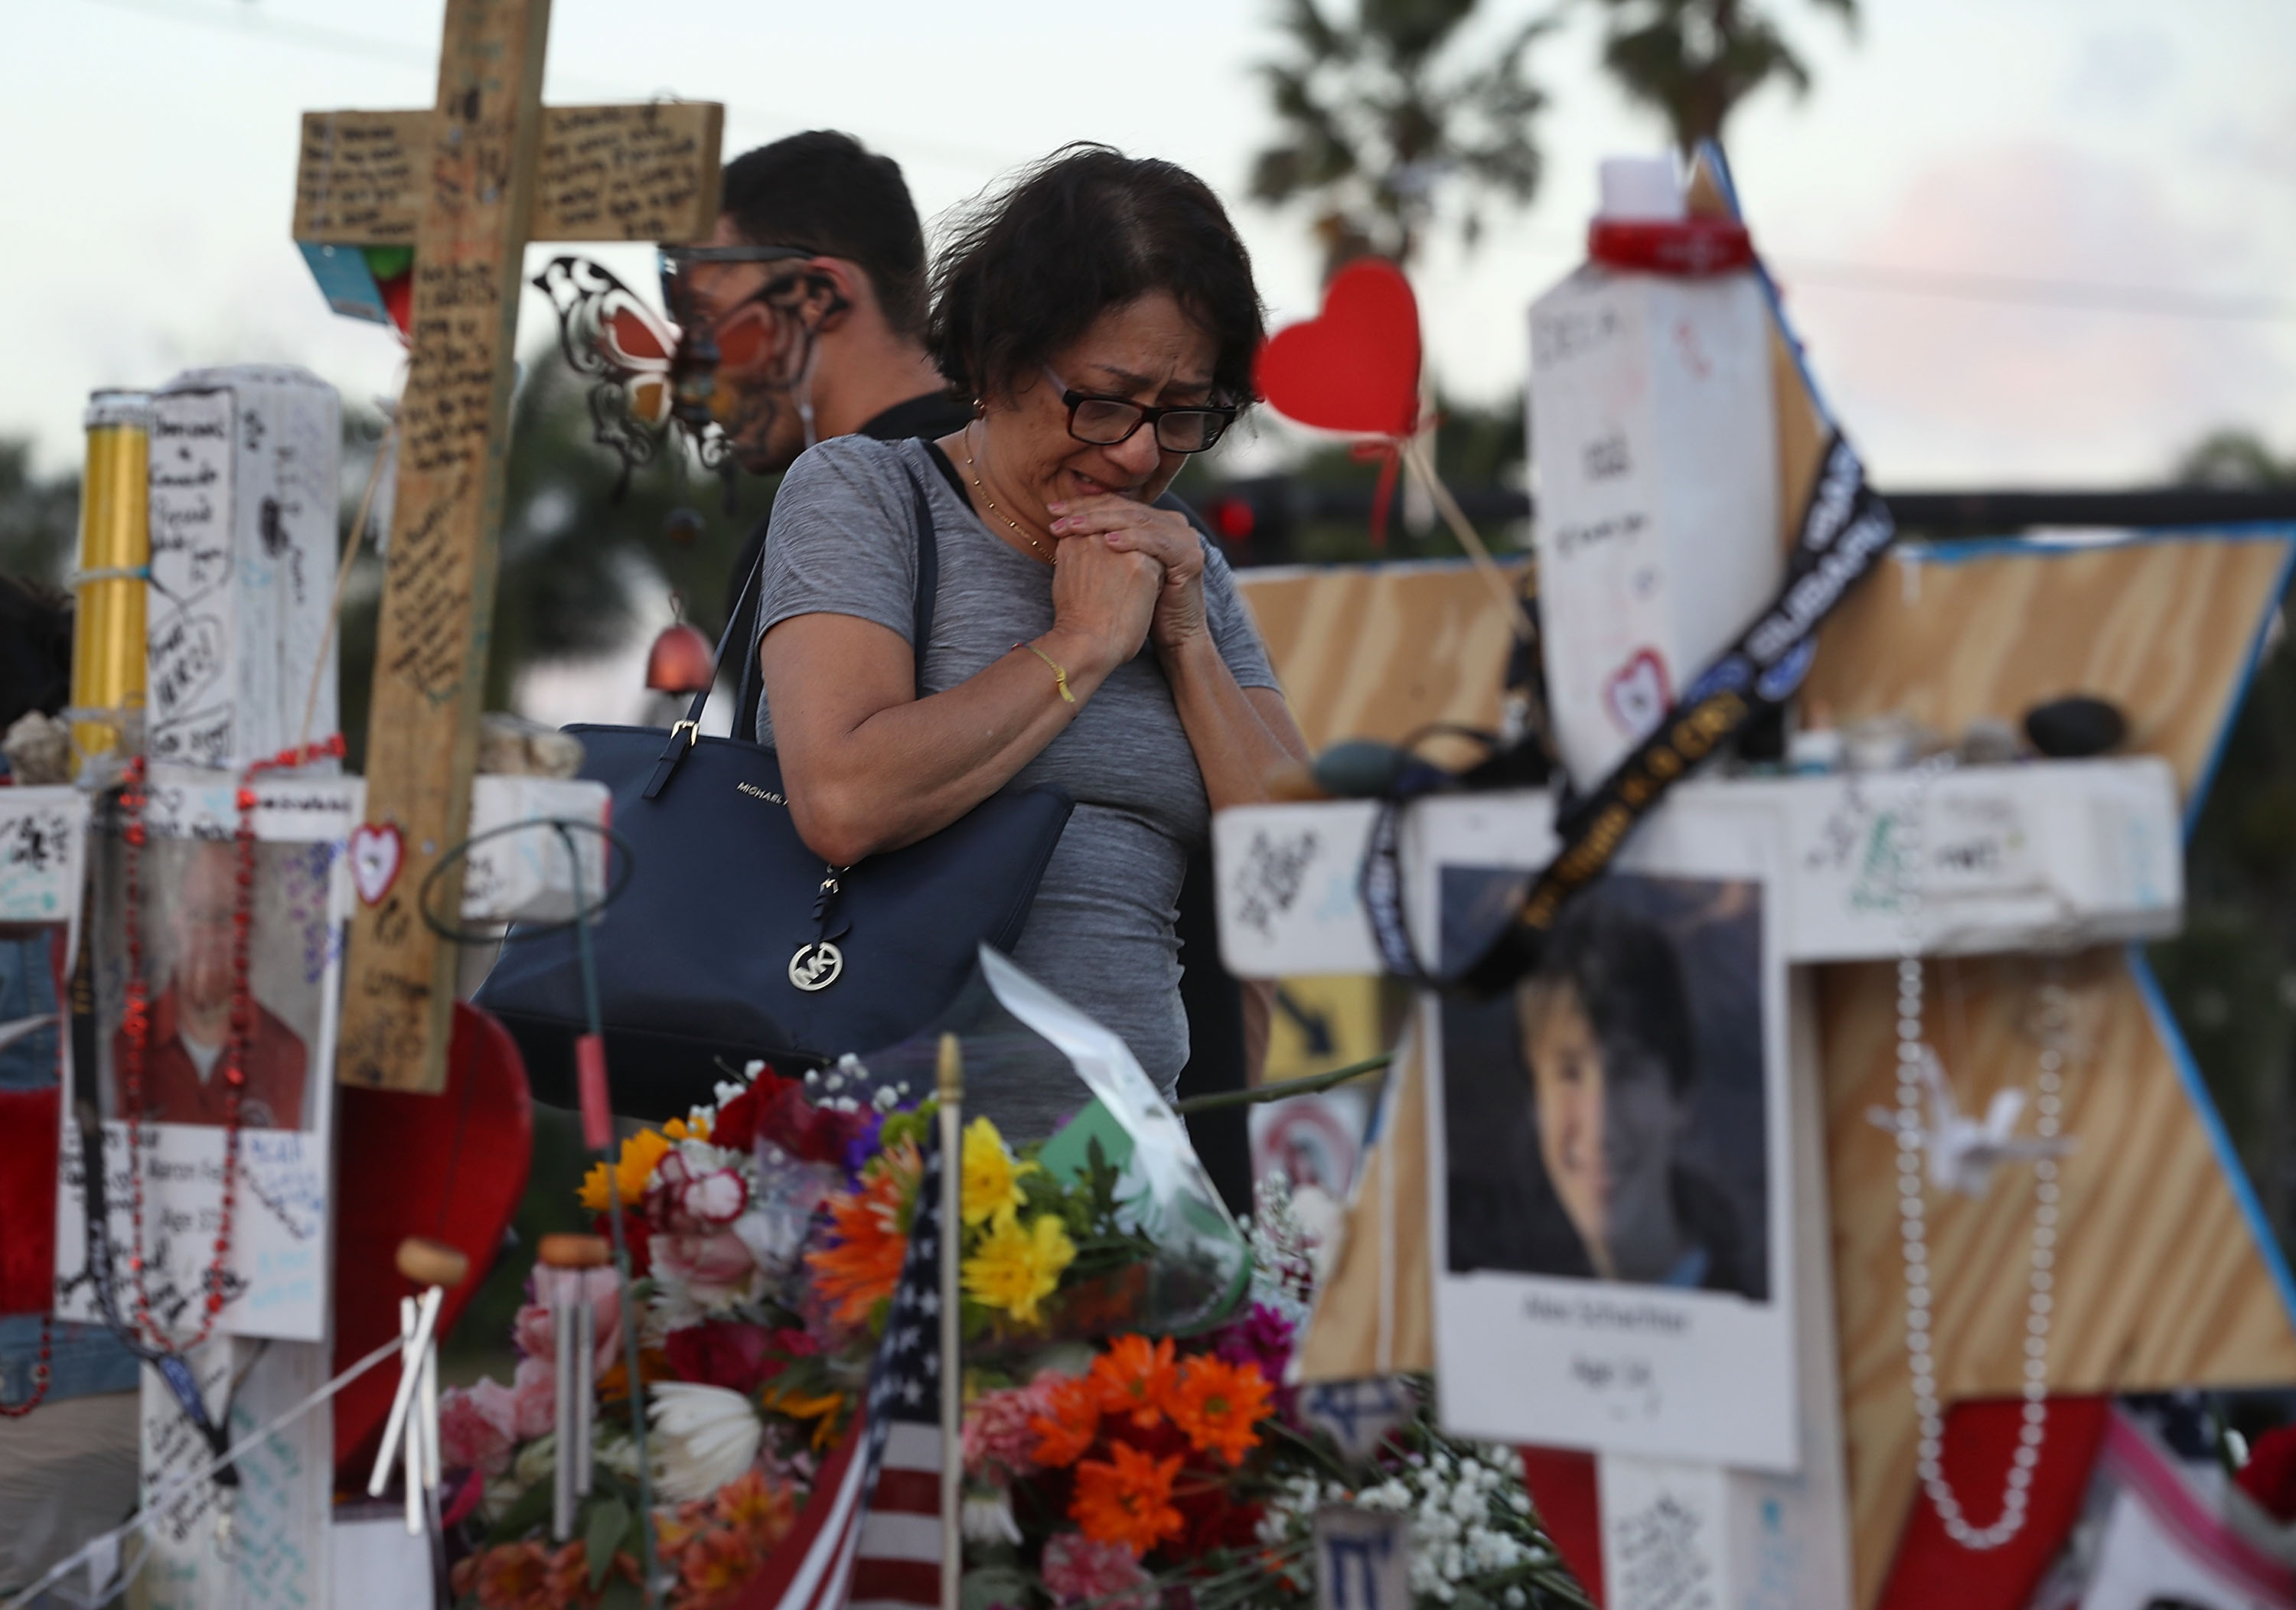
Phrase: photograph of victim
[189,908]
[1606,1119]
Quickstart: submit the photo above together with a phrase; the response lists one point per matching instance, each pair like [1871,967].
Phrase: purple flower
[864,1145]
[1262,1339]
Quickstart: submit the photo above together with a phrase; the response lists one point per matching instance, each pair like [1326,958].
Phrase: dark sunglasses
[1105,421]
[677,261]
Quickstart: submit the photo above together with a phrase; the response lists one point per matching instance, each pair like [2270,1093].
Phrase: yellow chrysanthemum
[695,1127]
[992,1179]
[639,1153]
[1016,1268]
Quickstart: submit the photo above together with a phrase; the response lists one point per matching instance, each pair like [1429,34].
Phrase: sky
[2028,242]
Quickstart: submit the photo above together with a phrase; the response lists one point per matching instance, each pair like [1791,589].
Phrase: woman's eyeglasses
[1105,421]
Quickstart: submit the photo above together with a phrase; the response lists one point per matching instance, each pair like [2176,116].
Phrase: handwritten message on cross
[467,184]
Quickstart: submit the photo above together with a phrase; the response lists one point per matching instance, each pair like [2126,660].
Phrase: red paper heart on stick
[452,1167]
[1354,366]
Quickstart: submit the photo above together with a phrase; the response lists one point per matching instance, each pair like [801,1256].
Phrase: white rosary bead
[1913,1214]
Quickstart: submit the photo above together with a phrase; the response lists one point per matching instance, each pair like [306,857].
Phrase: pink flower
[477,1425]
[1074,1568]
[714,1269]
[533,1330]
[999,1442]
[534,1398]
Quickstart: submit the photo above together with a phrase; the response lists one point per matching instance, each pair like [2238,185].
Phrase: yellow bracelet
[1060,671]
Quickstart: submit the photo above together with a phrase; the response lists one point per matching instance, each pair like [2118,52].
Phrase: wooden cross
[467,186]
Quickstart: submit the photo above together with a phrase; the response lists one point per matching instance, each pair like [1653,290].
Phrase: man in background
[826,342]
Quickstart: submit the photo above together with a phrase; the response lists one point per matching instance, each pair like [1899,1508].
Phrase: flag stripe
[793,1570]
[901,1581]
[836,1587]
[909,1491]
[902,1537]
[914,1444]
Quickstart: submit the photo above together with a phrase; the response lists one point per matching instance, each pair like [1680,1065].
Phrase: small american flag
[871,1538]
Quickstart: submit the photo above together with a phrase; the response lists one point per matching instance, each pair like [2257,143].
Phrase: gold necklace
[972,470]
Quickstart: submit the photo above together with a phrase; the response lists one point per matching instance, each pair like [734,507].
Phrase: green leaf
[609,1520]
[526,1513]
[622,1594]
[994,1585]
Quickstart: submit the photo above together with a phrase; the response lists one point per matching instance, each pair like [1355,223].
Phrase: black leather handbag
[733,940]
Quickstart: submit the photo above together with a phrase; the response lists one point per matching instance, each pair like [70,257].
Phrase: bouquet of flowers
[1128,1440]
[1145,1473]
[766,1234]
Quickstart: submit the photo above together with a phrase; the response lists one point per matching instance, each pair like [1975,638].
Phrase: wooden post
[466,183]
[438,586]
[949,1084]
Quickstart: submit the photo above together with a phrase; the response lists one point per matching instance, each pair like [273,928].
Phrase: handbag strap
[684,734]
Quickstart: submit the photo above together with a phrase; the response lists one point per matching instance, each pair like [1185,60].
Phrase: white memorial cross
[2108,869]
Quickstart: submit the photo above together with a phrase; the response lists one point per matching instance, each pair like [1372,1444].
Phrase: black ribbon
[1844,528]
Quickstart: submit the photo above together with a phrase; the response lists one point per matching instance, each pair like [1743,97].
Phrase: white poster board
[1609,1150]
[276,1276]
[260,1544]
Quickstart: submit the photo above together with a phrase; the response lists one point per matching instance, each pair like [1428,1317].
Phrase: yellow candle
[115,551]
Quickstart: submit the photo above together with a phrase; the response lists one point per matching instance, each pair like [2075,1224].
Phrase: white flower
[709,1435]
[619,1454]
[988,1519]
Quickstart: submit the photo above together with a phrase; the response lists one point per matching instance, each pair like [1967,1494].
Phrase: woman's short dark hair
[1087,229]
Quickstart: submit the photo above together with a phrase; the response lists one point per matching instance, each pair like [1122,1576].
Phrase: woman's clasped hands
[1157,547]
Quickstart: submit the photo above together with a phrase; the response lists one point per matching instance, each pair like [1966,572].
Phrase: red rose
[807,1132]
[720,1353]
[735,1125]
[2269,1476]
[636,1232]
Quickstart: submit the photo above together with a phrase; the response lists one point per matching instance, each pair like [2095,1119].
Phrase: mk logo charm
[815,966]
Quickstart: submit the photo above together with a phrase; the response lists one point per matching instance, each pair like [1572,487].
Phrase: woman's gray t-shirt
[843,542]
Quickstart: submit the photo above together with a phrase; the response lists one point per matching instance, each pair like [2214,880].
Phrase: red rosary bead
[39,1373]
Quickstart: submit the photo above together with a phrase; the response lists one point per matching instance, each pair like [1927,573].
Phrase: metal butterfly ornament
[630,354]
[650,375]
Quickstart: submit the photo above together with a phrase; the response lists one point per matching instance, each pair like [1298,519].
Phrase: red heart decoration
[1355,365]
[451,1166]
[1639,694]
[375,853]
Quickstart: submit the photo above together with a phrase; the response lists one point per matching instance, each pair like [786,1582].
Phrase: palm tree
[1378,110]
[1694,61]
